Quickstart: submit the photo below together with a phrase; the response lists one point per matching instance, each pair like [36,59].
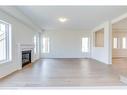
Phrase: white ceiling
[80,17]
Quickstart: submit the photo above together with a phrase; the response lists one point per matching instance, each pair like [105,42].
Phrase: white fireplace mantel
[24,47]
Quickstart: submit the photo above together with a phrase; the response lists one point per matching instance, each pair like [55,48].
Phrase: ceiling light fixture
[62,19]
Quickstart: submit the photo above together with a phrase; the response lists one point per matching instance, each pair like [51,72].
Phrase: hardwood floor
[120,64]
[65,73]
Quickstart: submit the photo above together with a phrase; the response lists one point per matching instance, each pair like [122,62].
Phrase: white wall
[65,44]
[22,34]
[102,54]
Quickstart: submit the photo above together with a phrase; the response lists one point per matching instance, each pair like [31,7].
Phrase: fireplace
[26,57]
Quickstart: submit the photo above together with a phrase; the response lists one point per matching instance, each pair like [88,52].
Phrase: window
[99,38]
[4,41]
[85,44]
[45,45]
[115,42]
[124,42]
[35,44]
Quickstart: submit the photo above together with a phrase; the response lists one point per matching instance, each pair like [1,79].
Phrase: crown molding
[15,13]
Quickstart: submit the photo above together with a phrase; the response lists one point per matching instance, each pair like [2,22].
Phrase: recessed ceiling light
[62,19]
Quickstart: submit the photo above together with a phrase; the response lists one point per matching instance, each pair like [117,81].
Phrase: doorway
[119,42]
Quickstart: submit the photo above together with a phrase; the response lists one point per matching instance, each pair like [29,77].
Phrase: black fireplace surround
[26,57]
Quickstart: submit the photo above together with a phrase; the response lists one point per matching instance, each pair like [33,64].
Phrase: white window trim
[83,48]
[35,44]
[36,48]
[116,43]
[8,43]
[125,43]
[48,49]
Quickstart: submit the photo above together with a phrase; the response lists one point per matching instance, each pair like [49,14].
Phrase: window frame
[99,33]
[8,42]
[36,43]
[124,43]
[83,45]
[116,43]
[48,43]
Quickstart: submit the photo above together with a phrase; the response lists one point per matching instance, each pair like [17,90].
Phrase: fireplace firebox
[26,57]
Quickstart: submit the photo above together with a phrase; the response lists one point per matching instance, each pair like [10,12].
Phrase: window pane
[2,46]
[2,27]
[115,42]
[85,44]
[124,42]
[35,44]
[4,41]
[2,50]
[45,45]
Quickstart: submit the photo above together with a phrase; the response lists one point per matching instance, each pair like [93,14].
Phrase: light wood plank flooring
[65,73]
[120,65]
